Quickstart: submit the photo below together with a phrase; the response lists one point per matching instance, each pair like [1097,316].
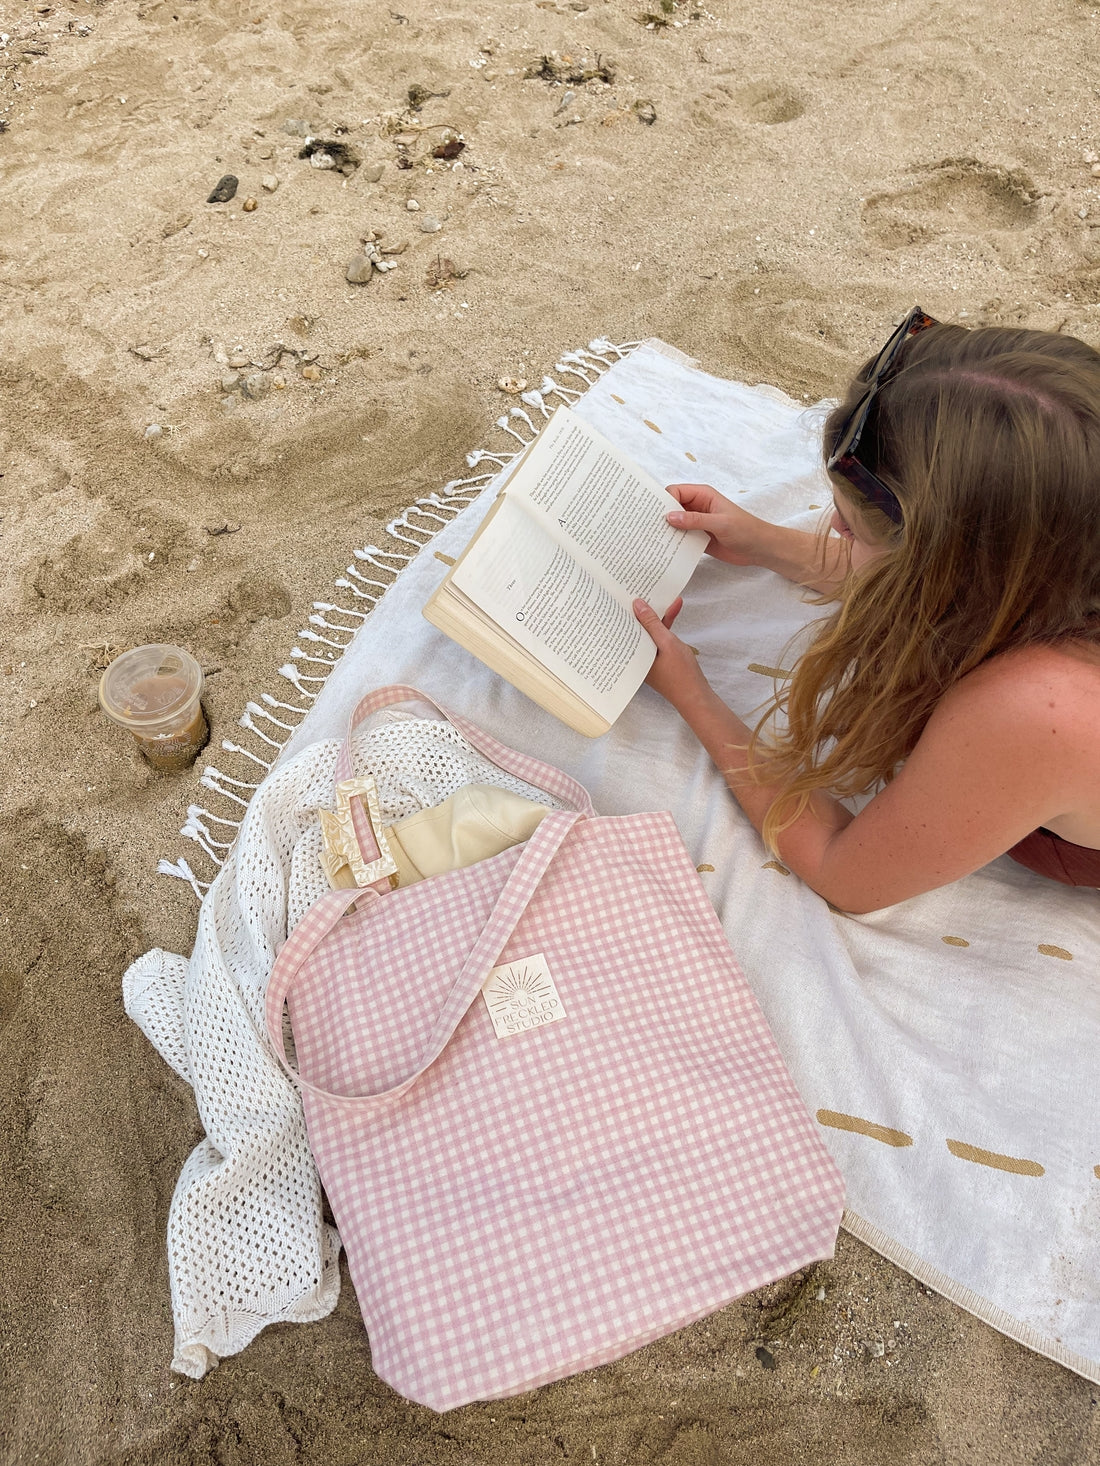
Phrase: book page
[550,604]
[607,511]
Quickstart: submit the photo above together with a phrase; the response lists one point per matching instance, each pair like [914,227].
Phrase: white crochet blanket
[947,1045]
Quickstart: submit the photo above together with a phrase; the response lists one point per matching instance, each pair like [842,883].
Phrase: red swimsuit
[1061,860]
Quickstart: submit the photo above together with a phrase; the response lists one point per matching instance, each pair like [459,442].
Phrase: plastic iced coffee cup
[154,692]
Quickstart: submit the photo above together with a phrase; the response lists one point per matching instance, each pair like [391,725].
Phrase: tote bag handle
[531,770]
[535,858]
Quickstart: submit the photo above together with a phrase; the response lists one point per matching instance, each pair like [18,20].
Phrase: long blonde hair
[990,439]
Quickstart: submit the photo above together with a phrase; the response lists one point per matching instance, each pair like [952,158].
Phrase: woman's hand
[736,536]
[675,674]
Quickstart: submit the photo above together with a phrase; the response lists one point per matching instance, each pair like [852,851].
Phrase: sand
[812,170]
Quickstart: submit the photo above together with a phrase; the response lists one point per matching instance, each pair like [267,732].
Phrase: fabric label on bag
[521,995]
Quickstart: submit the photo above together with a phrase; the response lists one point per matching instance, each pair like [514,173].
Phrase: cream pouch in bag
[477,821]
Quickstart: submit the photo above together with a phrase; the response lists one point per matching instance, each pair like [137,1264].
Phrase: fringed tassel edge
[308,671]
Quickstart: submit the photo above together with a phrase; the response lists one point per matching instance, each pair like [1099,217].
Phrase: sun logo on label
[521,995]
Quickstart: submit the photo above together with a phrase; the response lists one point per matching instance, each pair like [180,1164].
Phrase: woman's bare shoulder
[1055,688]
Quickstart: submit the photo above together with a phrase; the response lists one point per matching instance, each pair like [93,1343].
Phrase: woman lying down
[962,664]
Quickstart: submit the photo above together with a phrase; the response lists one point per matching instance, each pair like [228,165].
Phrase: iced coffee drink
[154,692]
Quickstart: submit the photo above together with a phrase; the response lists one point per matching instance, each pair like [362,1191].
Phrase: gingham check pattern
[518,1210]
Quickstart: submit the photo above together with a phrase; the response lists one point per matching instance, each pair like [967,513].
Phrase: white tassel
[535,399]
[237,748]
[300,656]
[246,722]
[340,611]
[335,625]
[479,455]
[502,423]
[519,412]
[598,348]
[289,707]
[237,783]
[362,595]
[296,678]
[257,711]
[382,585]
[194,829]
[548,387]
[374,556]
[464,490]
[195,811]
[189,832]
[440,519]
[208,783]
[183,872]
[315,636]
[574,366]
[395,527]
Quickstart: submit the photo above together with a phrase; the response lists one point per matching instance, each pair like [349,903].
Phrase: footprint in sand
[955,196]
[764,102]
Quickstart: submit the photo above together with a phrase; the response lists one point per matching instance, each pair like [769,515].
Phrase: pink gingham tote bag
[516,1209]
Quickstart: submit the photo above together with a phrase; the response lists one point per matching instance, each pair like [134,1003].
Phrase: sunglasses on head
[844,460]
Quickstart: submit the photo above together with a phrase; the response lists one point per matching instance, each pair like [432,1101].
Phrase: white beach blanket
[947,1045]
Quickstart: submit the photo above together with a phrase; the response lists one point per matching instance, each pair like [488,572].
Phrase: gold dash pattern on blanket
[620,400]
[994,1159]
[692,457]
[955,941]
[885,1133]
[702,868]
[775,865]
[652,425]
[1048,951]
[446,559]
[766,671]
[1096,1172]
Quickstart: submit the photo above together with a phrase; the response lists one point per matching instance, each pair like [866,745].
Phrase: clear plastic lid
[150,686]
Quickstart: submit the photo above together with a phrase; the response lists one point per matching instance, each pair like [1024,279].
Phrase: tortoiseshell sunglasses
[844,460]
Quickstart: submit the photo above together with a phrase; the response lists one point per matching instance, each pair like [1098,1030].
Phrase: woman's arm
[1003,753]
[740,538]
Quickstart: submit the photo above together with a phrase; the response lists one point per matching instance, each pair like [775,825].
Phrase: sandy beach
[767,189]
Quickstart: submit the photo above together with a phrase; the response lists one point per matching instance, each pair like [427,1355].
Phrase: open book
[543,593]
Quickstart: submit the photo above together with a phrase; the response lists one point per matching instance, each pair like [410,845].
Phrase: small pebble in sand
[278,382]
[240,359]
[1095,170]
[223,190]
[256,385]
[385,265]
[412,206]
[429,225]
[269,182]
[153,432]
[321,159]
[1091,158]
[311,373]
[250,206]
[230,381]
[359,270]
[513,385]
[373,172]
[297,127]
[229,403]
